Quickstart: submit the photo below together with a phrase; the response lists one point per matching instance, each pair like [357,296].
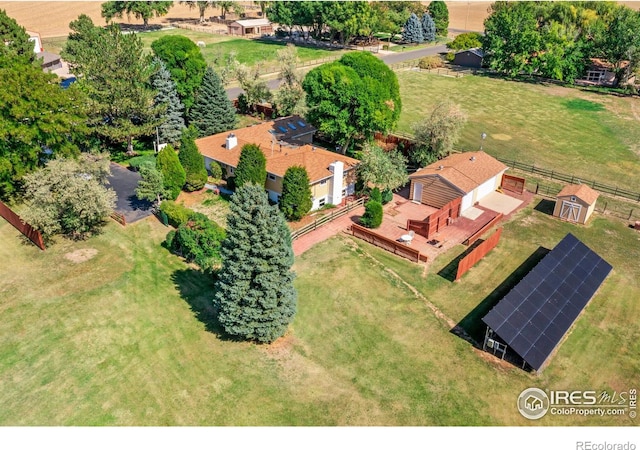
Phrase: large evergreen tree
[251,166]
[296,201]
[172,118]
[14,40]
[412,31]
[192,161]
[428,28]
[212,111]
[440,14]
[172,171]
[255,296]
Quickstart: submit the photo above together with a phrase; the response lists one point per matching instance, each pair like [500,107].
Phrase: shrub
[215,170]
[387,196]
[192,161]
[296,201]
[385,46]
[430,62]
[172,171]
[372,217]
[138,161]
[450,56]
[177,213]
[198,241]
[375,195]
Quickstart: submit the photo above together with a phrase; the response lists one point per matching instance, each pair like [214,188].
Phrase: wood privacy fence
[478,253]
[512,183]
[475,236]
[436,221]
[572,179]
[395,247]
[34,235]
[339,212]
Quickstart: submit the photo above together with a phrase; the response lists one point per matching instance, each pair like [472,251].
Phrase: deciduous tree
[201,5]
[466,41]
[255,296]
[290,95]
[251,166]
[384,170]
[438,133]
[144,10]
[296,201]
[69,196]
[212,111]
[185,63]
[198,240]
[440,14]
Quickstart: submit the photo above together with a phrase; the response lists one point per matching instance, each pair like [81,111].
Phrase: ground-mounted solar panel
[535,315]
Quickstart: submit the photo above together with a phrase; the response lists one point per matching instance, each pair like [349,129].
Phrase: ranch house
[285,142]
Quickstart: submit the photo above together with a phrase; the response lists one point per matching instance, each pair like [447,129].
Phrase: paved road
[389,58]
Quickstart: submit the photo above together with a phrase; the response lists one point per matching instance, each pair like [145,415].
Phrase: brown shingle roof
[582,191]
[279,156]
[466,171]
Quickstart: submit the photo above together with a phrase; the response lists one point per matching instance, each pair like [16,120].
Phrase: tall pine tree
[412,31]
[212,111]
[192,161]
[428,28]
[170,130]
[255,296]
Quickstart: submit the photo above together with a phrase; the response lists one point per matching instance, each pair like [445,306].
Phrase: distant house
[470,175]
[601,73]
[37,41]
[50,61]
[575,203]
[285,142]
[469,58]
[250,27]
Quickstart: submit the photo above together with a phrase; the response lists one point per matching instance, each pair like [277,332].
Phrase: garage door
[486,188]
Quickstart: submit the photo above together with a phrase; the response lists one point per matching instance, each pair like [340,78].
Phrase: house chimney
[440,167]
[473,158]
[232,141]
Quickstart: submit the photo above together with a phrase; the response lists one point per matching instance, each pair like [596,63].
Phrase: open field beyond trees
[590,135]
[115,330]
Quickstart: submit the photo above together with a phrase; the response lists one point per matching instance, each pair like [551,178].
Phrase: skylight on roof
[301,123]
[292,126]
[281,128]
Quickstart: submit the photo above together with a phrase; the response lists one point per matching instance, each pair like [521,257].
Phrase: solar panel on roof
[281,128]
[292,126]
[301,123]
[535,315]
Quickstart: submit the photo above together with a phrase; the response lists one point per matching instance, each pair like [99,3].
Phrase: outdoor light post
[483,136]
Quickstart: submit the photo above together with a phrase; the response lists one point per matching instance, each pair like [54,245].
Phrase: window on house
[344,192]
[230,169]
[321,202]
[573,199]
[323,182]
[272,177]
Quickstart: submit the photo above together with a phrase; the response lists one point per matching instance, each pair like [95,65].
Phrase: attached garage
[575,203]
[470,175]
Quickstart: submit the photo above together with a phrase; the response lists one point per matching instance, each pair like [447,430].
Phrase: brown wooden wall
[23,227]
[512,184]
[397,248]
[478,253]
[436,221]
[435,191]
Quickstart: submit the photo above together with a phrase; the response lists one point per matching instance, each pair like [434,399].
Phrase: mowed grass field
[590,135]
[128,336]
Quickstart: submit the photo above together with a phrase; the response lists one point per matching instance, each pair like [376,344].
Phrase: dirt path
[450,323]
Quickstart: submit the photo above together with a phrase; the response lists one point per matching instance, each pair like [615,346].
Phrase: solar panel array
[534,316]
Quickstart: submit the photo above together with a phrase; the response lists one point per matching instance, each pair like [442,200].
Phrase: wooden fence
[27,230]
[395,247]
[119,218]
[475,236]
[572,179]
[478,253]
[512,183]
[338,212]
[436,221]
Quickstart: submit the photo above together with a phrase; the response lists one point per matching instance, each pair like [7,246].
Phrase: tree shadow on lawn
[472,322]
[197,289]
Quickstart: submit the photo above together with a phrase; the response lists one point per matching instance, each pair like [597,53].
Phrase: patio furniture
[407,238]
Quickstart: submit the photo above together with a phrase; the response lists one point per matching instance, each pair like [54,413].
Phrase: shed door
[570,211]
[417,192]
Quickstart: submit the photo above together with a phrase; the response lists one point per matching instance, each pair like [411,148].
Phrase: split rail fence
[339,212]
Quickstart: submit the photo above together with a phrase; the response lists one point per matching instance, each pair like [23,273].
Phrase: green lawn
[569,130]
[129,337]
